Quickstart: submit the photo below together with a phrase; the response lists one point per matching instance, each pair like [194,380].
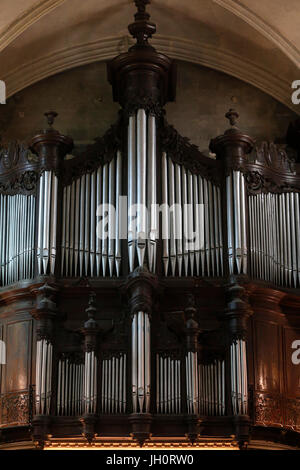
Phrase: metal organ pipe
[141,362]
[236,217]
[141,130]
[86,248]
[191,367]
[113,398]
[275,238]
[152,193]
[197,211]
[90,382]
[211,379]
[142,190]
[43,377]
[47,223]
[17,233]
[168,394]
[239,382]
[70,383]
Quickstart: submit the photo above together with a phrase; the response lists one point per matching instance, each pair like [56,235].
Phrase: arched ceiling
[257,41]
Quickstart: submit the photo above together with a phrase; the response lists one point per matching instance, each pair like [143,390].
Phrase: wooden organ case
[148,339]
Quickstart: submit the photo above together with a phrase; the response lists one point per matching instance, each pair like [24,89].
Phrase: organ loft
[184,332]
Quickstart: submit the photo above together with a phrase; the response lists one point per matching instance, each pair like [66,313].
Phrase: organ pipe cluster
[17,237]
[90,383]
[275,238]
[47,223]
[142,190]
[44,351]
[239,381]
[69,388]
[141,360]
[88,247]
[113,398]
[192,223]
[192,386]
[211,379]
[168,385]
[236,223]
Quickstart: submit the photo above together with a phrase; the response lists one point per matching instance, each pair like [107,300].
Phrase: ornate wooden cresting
[148,338]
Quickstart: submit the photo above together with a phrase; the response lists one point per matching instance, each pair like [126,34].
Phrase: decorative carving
[26,183]
[140,286]
[91,328]
[268,409]
[270,171]
[99,153]
[237,312]
[142,29]
[181,151]
[18,169]
[292,413]
[275,157]
[45,311]
[191,325]
[15,408]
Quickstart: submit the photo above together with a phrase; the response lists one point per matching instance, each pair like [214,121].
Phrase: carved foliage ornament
[184,153]
[99,153]
[272,164]
[15,408]
[18,169]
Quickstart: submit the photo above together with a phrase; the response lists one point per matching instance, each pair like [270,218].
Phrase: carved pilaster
[45,311]
[90,332]
[233,146]
[236,317]
[50,146]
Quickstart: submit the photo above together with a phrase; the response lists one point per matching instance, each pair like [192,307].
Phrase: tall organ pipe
[43,376]
[141,362]
[17,238]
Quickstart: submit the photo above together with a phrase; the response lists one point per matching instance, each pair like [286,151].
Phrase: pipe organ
[211,386]
[17,235]
[113,386]
[87,211]
[70,380]
[168,384]
[189,266]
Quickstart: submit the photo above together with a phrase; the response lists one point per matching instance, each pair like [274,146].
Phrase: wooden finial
[232,116]
[50,116]
[142,29]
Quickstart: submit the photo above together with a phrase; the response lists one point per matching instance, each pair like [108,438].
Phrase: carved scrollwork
[143,101]
[268,409]
[19,171]
[292,414]
[184,153]
[270,170]
[15,408]
[99,153]
[274,156]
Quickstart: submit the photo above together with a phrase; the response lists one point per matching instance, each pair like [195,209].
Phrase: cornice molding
[262,27]
[26,19]
[176,48]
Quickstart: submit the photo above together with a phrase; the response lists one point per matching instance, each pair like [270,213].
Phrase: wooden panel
[18,355]
[292,371]
[1,366]
[267,354]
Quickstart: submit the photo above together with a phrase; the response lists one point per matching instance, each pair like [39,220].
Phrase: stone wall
[83,99]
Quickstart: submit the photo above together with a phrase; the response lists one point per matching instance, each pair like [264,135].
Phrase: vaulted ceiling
[257,41]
